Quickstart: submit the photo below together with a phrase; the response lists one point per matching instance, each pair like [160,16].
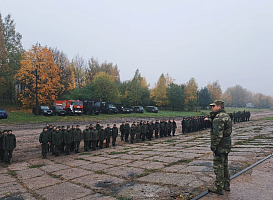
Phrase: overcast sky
[229,41]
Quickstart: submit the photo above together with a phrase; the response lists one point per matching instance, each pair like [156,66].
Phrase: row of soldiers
[240,116]
[194,123]
[61,139]
[7,145]
[197,123]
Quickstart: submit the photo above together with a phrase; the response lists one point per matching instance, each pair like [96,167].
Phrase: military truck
[89,107]
[106,107]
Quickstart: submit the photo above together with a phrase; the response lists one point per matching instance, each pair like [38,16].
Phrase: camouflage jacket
[221,131]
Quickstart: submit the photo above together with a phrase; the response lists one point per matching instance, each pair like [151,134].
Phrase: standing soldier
[138,131]
[90,129]
[114,134]
[142,134]
[145,127]
[108,133]
[247,115]
[44,141]
[170,124]
[62,131]
[126,131]
[50,129]
[101,136]
[2,151]
[86,138]
[157,127]
[72,146]
[98,127]
[174,127]
[132,133]
[52,145]
[9,144]
[150,130]
[56,141]
[161,128]
[68,138]
[121,128]
[220,145]
[183,123]
[77,138]
[94,138]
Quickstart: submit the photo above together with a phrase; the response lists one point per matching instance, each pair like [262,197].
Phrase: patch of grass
[85,153]
[36,166]
[6,194]
[123,198]
[178,162]
[170,140]
[97,154]
[100,172]
[56,176]
[12,173]
[118,152]
[18,115]
[150,144]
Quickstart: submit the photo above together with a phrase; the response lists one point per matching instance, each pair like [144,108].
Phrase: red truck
[70,106]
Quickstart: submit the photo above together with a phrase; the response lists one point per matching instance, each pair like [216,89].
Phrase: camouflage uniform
[221,145]
[86,138]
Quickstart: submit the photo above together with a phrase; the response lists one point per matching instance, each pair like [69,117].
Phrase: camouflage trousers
[220,166]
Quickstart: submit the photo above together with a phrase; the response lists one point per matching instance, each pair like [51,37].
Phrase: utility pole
[197,102]
[36,91]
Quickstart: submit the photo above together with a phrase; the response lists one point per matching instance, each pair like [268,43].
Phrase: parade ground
[176,167]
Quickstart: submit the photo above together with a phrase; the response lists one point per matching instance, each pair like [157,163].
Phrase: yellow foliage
[159,93]
[191,93]
[41,59]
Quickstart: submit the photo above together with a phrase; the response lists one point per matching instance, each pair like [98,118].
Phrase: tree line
[60,78]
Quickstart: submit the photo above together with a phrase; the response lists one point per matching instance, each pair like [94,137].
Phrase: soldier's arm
[217,134]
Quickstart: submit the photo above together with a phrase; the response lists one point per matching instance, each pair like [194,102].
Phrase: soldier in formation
[240,116]
[193,124]
[7,145]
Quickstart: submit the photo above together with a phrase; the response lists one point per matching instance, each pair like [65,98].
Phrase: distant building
[250,105]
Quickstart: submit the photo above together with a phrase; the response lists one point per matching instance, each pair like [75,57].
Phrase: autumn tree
[262,101]
[12,53]
[227,98]
[215,90]
[4,68]
[67,81]
[239,95]
[41,59]
[79,69]
[204,97]
[135,91]
[94,68]
[159,92]
[191,94]
[176,96]
[105,88]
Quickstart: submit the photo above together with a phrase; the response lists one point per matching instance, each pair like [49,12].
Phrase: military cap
[217,102]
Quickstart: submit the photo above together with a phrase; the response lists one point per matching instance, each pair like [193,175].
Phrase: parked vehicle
[123,109]
[70,106]
[106,107]
[153,109]
[89,107]
[138,109]
[42,110]
[58,110]
[3,114]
